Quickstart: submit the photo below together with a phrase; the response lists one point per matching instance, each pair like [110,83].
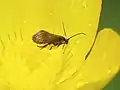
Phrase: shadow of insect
[46,38]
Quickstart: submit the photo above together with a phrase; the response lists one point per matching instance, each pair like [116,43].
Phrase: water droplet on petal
[90,25]
[84,4]
[25,21]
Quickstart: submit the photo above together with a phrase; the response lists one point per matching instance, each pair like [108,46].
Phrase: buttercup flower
[23,66]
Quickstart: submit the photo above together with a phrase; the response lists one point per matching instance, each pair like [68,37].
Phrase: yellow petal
[23,65]
[100,67]
[104,60]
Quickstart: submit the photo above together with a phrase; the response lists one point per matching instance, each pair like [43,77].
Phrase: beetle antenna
[75,35]
[64,29]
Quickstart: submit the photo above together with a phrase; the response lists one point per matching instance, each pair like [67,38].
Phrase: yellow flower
[23,66]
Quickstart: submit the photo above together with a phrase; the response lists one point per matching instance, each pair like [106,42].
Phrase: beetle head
[63,40]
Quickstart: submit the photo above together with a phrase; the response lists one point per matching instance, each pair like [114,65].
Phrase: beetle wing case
[43,37]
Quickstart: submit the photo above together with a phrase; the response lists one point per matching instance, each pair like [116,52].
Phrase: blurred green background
[110,18]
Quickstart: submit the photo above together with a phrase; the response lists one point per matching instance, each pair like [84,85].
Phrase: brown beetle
[46,38]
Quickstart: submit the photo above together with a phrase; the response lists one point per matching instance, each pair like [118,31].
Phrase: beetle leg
[63,45]
[43,46]
[58,45]
[51,47]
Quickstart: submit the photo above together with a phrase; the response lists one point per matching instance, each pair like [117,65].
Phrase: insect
[46,38]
